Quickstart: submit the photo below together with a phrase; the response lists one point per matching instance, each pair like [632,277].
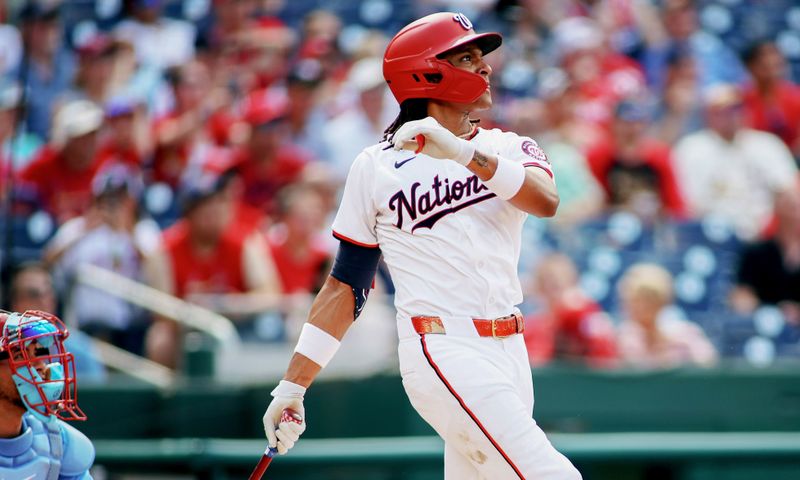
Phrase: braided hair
[411,109]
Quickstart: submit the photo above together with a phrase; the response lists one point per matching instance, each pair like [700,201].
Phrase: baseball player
[444,202]
[37,392]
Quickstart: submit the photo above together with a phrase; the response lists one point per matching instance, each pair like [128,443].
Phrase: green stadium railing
[601,456]
[567,400]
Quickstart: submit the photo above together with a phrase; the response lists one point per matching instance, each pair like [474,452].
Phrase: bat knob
[289,415]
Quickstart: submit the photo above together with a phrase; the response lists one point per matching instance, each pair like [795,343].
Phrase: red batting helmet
[413,69]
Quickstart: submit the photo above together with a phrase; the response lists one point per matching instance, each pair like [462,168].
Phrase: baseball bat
[288,415]
[420,142]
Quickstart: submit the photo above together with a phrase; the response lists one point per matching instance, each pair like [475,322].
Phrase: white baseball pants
[477,393]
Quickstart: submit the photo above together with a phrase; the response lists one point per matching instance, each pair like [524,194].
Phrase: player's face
[470,58]
[37,354]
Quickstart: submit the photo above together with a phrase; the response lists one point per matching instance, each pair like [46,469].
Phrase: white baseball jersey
[451,245]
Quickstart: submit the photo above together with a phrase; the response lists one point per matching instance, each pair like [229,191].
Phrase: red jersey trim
[354,242]
[466,409]
[532,164]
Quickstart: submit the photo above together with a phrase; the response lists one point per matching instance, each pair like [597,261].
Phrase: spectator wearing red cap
[301,256]
[62,172]
[110,235]
[636,171]
[571,327]
[204,259]
[771,101]
[268,162]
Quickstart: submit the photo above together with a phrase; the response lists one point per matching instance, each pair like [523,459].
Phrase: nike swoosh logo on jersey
[400,164]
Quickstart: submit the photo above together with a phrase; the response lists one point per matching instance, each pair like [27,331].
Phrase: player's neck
[451,117]
[10,420]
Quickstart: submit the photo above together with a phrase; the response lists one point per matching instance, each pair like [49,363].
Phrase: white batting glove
[282,434]
[439,142]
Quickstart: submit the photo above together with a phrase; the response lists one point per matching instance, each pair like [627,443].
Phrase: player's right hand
[282,435]
[439,141]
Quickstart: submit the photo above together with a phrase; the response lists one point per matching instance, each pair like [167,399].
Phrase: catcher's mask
[42,369]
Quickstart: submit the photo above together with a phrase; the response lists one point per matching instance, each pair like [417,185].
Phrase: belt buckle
[494,329]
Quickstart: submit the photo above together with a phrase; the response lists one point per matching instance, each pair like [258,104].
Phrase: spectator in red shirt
[301,256]
[62,172]
[205,260]
[571,326]
[636,171]
[267,162]
[771,101]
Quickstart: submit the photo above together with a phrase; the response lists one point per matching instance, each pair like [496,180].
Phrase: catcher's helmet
[42,370]
[413,69]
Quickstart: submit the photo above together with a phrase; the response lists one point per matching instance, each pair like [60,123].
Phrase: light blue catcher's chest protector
[47,451]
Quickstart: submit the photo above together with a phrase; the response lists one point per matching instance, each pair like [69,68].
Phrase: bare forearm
[537,196]
[332,312]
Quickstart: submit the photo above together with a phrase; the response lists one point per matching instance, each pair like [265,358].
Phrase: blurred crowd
[200,148]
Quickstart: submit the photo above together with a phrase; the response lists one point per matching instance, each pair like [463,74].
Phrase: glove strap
[288,389]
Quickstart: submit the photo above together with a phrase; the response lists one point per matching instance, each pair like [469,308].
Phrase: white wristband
[316,344]
[466,151]
[286,388]
[507,179]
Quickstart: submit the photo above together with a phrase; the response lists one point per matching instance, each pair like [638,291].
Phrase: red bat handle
[420,142]
[262,465]
[288,415]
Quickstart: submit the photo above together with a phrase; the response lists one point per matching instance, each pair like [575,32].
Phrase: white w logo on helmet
[463,20]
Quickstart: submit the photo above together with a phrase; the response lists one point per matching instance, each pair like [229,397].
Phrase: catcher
[37,392]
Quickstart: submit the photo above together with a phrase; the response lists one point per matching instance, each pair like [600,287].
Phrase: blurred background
[169,170]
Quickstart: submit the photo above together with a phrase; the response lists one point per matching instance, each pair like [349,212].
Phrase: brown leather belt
[497,327]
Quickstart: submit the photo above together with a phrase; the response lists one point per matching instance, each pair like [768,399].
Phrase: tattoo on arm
[480,159]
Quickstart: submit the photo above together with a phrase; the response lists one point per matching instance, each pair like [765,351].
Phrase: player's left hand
[438,141]
[282,433]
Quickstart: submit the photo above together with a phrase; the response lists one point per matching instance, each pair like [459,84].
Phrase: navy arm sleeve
[356,265]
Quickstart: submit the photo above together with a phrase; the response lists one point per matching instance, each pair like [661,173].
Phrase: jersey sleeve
[528,152]
[357,215]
